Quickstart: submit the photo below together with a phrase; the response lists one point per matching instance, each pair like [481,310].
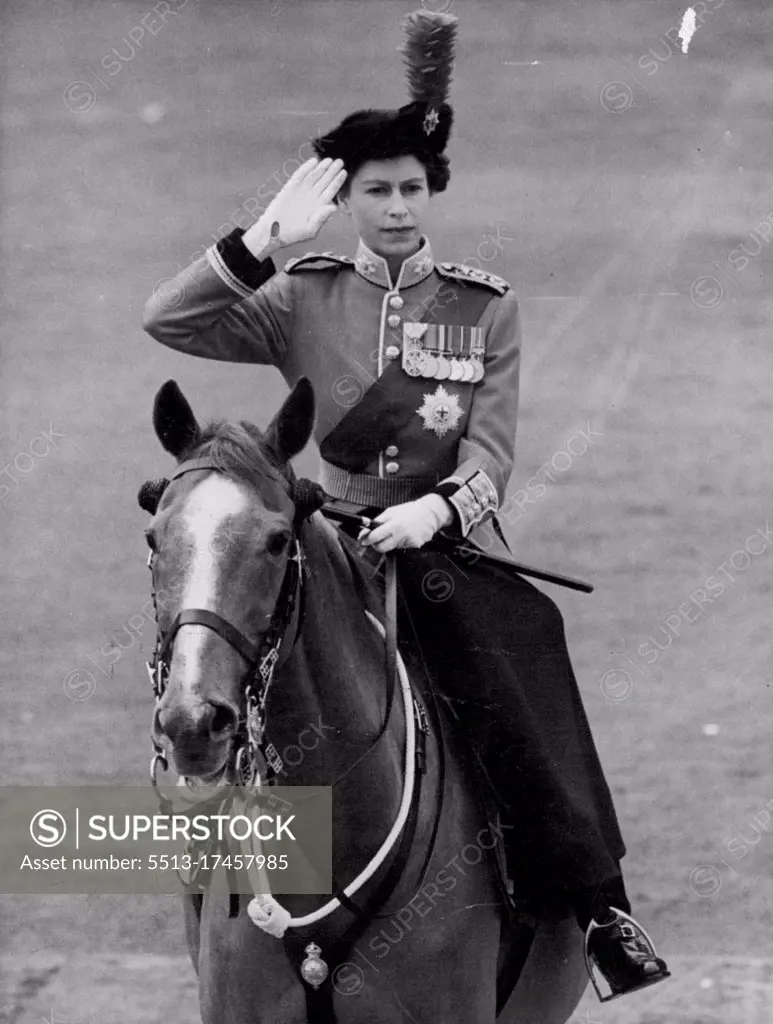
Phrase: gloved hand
[410,525]
[298,212]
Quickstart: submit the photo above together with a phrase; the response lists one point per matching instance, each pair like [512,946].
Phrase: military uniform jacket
[416,380]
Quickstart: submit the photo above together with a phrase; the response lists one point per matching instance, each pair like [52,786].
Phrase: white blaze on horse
[229,530]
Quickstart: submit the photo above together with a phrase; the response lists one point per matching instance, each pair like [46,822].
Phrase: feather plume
[428,55]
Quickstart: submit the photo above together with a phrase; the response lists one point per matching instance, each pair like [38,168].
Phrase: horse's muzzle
[198,738]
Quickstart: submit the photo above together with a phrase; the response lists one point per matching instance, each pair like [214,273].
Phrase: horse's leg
[192,918]
[244,974]
[553,978]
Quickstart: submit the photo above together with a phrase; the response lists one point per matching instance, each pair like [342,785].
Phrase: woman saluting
[415,368]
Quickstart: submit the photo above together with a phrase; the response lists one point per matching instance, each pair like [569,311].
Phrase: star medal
[440,411]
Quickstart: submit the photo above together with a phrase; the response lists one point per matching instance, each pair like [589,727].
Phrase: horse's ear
[289,431]
[173,419]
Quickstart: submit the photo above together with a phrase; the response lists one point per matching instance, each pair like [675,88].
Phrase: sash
[390,402]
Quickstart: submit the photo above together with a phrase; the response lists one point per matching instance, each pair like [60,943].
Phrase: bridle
[253,759]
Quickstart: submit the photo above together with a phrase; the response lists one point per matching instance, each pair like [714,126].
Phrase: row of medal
[419,361]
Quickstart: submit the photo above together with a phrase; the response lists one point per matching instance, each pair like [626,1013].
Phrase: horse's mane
[239,449]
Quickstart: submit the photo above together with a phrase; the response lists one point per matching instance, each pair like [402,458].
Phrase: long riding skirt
[495,647]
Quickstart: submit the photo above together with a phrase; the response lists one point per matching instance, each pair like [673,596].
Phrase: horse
[226,530]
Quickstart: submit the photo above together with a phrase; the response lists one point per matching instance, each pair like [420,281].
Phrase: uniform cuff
[237,267]
[472,499]
[446,489]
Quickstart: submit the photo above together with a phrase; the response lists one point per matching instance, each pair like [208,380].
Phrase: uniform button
[393,320]
[392,467]
[392,450]
[396,302]
[392,352]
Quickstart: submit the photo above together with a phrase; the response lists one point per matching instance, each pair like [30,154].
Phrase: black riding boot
[616,944]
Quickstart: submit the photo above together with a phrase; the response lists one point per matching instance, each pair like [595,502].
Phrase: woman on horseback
[415,367]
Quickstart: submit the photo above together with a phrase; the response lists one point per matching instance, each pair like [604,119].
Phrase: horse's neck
[329,699]
[333,685]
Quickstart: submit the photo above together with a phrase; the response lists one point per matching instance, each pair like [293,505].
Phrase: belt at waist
[362,488]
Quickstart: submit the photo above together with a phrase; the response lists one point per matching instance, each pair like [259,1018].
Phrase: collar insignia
[374,268]
[366,265]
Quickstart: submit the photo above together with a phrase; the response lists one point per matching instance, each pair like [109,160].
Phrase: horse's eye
[150,537]
[276,543]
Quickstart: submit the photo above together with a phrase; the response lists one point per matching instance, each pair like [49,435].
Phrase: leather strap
[194,465]
[390,627]
[204,617]
[390,630]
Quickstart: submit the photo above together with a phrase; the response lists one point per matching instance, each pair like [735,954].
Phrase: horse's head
[222,538]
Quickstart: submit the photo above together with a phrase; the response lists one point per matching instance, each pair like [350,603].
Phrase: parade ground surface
[623,188]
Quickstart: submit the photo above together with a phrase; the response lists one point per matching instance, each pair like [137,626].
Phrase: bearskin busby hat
[420,128]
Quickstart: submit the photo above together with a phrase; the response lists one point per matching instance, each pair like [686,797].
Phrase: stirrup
[635,930]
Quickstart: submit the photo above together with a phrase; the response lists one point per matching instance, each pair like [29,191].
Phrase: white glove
[410,525]
[297,214]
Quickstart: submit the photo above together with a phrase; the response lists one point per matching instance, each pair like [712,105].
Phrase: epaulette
[318,261]
[461,272]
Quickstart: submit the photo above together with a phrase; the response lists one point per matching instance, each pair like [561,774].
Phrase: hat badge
[431,121]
